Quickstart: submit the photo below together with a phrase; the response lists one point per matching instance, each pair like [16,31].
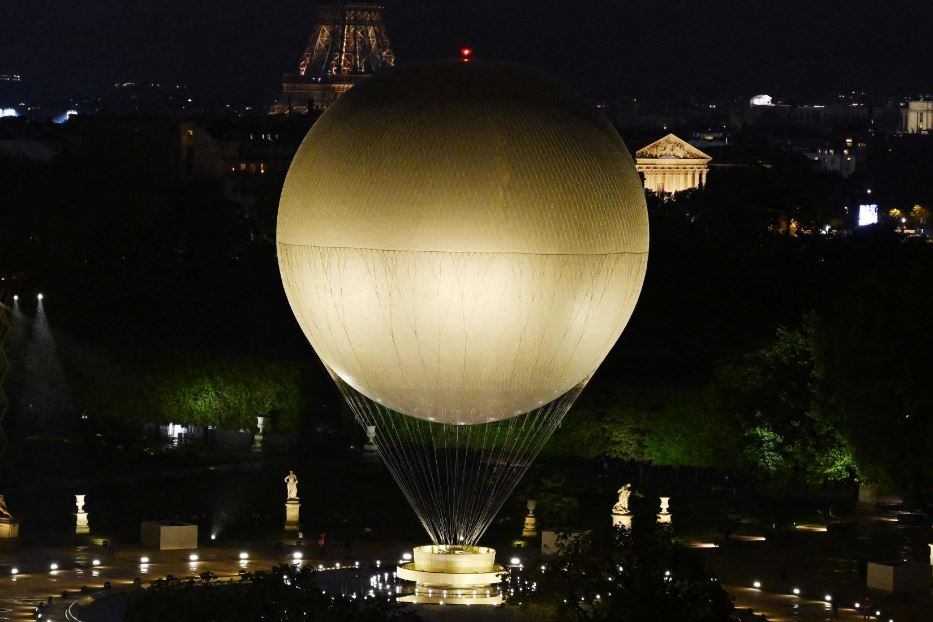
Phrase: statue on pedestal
[621,506]
[621,515]
[664,516]
[530,528]
[292,504]
[260,427]
[9,528]
[81,522]
[291,486]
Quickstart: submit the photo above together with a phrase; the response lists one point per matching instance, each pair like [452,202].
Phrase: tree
[225,390]
[873,353]
[284,594]
[688,431]
[609,575]
[605,422]
[777,402]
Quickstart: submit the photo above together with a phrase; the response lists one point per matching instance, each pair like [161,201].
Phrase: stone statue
[621,506]
[291,485]
[5,515]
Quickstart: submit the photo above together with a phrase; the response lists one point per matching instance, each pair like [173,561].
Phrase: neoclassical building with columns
[671,165]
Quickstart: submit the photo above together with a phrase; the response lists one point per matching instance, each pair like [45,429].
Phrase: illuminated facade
[918,117]
[672,165]
[348,43]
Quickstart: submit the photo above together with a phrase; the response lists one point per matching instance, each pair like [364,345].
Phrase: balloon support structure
[453,575]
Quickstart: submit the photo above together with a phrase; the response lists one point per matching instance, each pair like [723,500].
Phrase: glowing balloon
[462,242]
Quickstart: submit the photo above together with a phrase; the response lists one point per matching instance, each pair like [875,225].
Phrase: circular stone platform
[453,575]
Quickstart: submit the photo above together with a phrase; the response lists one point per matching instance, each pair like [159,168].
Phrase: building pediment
[671,148]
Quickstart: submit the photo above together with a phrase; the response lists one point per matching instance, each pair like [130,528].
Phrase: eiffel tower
[348,43]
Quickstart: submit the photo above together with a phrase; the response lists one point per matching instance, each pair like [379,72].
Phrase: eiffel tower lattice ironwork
[348,43]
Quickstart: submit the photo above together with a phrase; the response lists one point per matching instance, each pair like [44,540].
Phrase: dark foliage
[284,594]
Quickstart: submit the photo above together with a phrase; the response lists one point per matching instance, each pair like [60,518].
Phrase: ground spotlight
[193,557]
[95,562]
[796,591]
[14,570]
[15,297]
[406,557]
[39,297]
[297,555]
[515,561]
[53,566]
[757,585]
[143,560]
[828,598]
[213,537]
[244,555]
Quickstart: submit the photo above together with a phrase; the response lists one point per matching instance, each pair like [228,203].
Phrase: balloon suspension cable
[456,476]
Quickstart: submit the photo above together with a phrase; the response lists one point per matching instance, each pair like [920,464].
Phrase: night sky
[238,49]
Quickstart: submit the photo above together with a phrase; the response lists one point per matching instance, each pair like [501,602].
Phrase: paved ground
[811,560]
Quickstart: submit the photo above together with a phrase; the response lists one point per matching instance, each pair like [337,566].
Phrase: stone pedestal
[624,520]
[9,529]
[867,496]
[261,428]
[292,521]
[370,445]
[898,576]
[530,528]
[664,516]
[168,535]
[453,575]
[82,526]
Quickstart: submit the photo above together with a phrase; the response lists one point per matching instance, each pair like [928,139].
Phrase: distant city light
[53,566]
[14,570]
[515,561]
[39,297]
[15,297]
[95,562]
[757,585]
[796,591]
[193,557]
[244,555]
[297,555]
[8,112]
[761,100]
[867,214]
[213,536]
[65,117]
[406,557]
[143,560]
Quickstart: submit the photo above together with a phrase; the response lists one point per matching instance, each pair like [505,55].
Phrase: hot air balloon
[462,244]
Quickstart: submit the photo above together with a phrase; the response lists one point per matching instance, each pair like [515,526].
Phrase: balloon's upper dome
[463,157]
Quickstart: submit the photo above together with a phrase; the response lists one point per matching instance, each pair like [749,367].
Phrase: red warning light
[466,53]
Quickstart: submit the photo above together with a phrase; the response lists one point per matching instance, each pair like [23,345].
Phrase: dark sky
[237,49]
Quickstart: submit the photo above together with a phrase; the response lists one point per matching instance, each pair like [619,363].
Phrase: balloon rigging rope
[458,477]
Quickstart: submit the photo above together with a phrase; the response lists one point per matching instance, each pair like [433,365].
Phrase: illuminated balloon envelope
[462,244]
